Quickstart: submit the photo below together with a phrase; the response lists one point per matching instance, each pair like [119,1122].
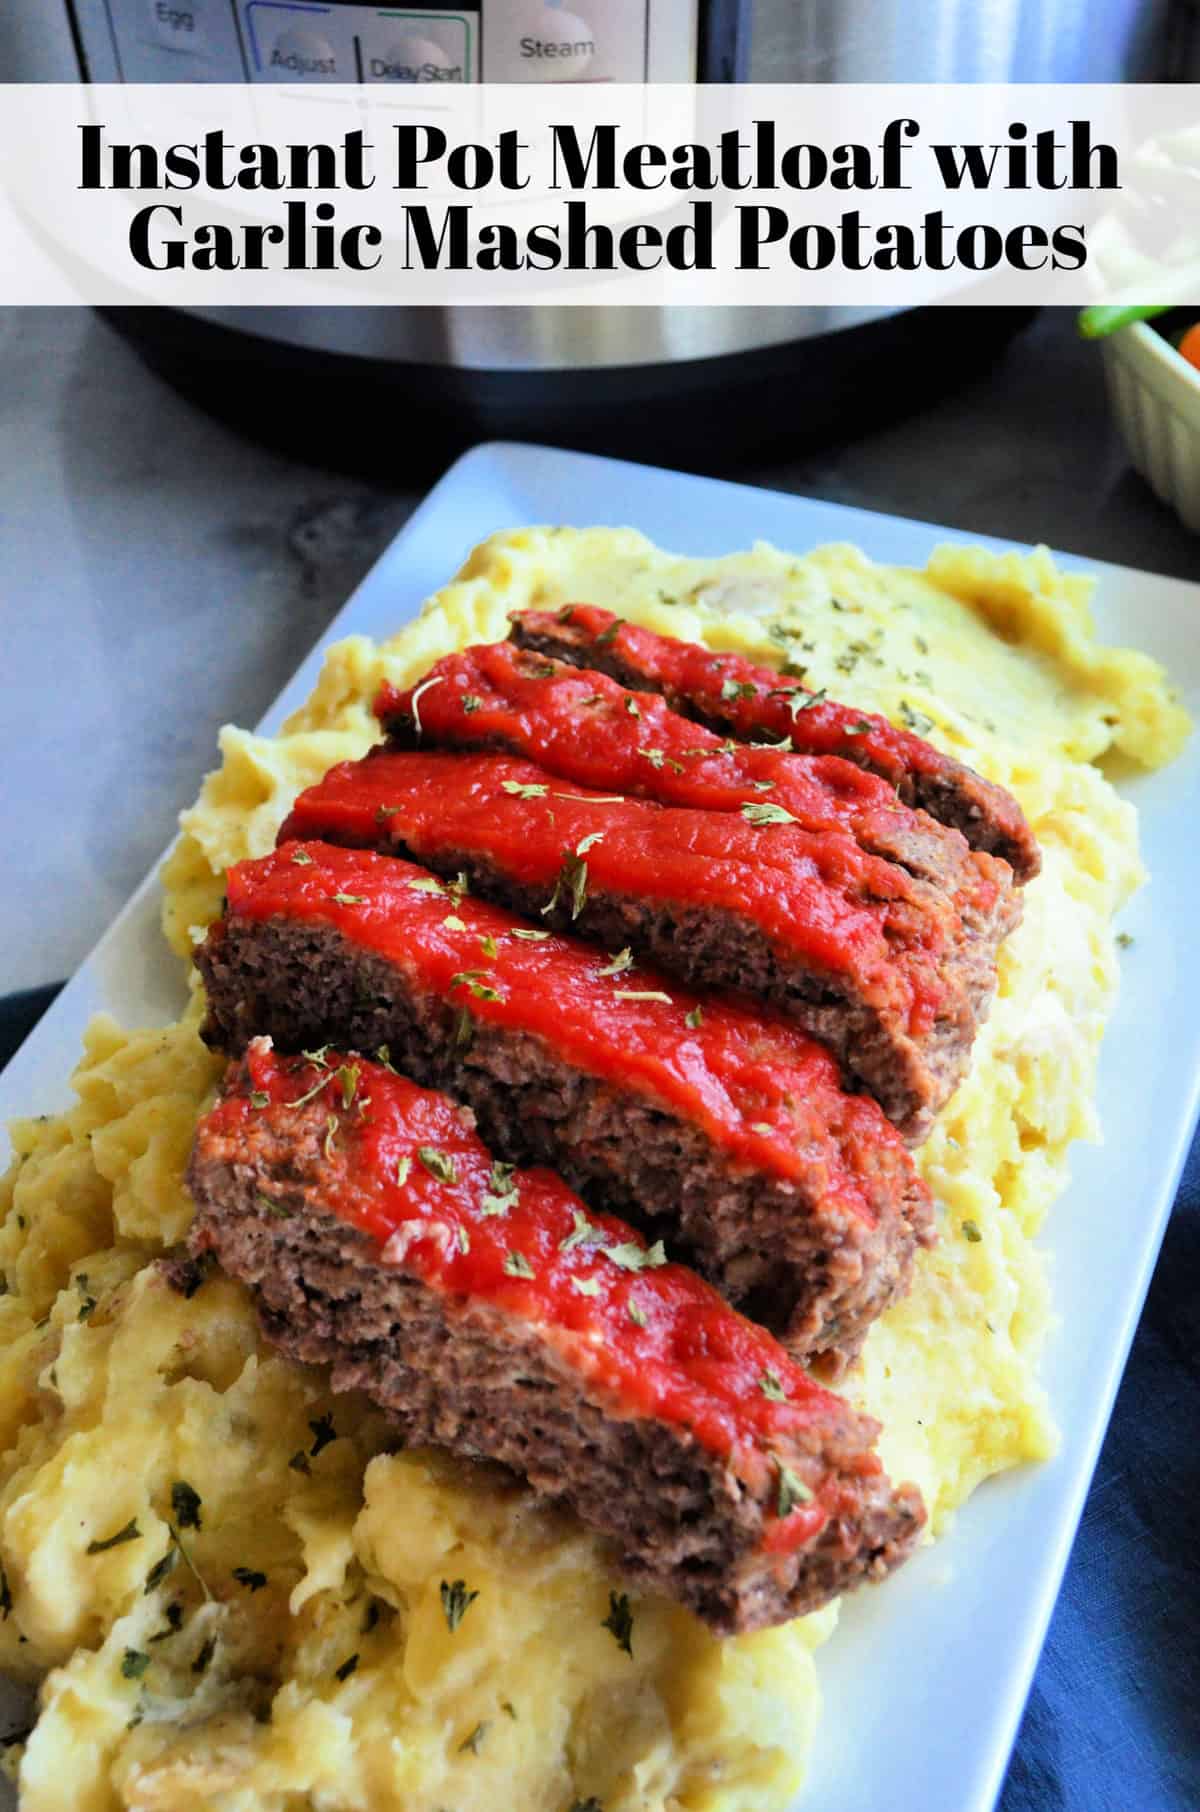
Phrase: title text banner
[599,194]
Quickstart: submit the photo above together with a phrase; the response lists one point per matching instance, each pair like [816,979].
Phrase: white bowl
[1156,399]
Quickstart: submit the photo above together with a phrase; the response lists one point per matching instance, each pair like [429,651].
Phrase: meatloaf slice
[490,1314]
[725,1129]
[849,946]
[729,693]
[585,727]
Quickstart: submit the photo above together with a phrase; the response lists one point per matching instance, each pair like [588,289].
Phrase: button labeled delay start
[421,47]
[414,59]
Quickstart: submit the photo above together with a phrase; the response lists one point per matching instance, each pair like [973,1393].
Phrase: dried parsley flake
[456,1602]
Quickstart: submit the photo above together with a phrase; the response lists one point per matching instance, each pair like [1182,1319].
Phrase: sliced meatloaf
[729,693]
[857,952]
[489,1313]
[725,1129]
[584,726]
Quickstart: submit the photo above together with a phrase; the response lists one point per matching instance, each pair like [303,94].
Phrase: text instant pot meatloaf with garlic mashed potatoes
[229,1588]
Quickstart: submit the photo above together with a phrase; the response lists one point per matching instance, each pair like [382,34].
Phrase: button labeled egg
[177,24]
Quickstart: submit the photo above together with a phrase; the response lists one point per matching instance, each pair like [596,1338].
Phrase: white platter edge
[975,1607]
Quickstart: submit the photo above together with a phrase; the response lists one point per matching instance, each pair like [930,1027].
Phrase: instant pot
[702,387]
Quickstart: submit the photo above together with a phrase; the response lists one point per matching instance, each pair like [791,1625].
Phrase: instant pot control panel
[344,41]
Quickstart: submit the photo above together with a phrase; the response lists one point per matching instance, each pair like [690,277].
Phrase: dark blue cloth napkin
[1113,1721]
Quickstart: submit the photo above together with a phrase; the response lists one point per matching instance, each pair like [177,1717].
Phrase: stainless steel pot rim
[537,338]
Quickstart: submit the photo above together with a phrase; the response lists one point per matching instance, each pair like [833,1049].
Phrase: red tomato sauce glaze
[755,1085]
[590,729]
[402,1164]
[817,897]
[756,701]
[588,726]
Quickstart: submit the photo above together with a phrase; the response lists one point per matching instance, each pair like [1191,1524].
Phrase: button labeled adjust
[300,43]
[303,53]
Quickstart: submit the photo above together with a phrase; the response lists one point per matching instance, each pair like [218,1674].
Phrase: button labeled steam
[551,46]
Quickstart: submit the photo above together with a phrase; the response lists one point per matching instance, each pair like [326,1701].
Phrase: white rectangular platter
[925,1680]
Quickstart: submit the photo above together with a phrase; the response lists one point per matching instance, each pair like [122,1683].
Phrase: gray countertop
[160,575]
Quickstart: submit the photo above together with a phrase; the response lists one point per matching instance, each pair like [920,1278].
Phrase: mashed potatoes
[234,1597]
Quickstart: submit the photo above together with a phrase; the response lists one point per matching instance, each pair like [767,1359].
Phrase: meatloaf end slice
[729,693]
[585,726]
[487,1313]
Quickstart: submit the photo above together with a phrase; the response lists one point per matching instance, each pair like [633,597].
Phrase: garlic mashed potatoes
[231,1595]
